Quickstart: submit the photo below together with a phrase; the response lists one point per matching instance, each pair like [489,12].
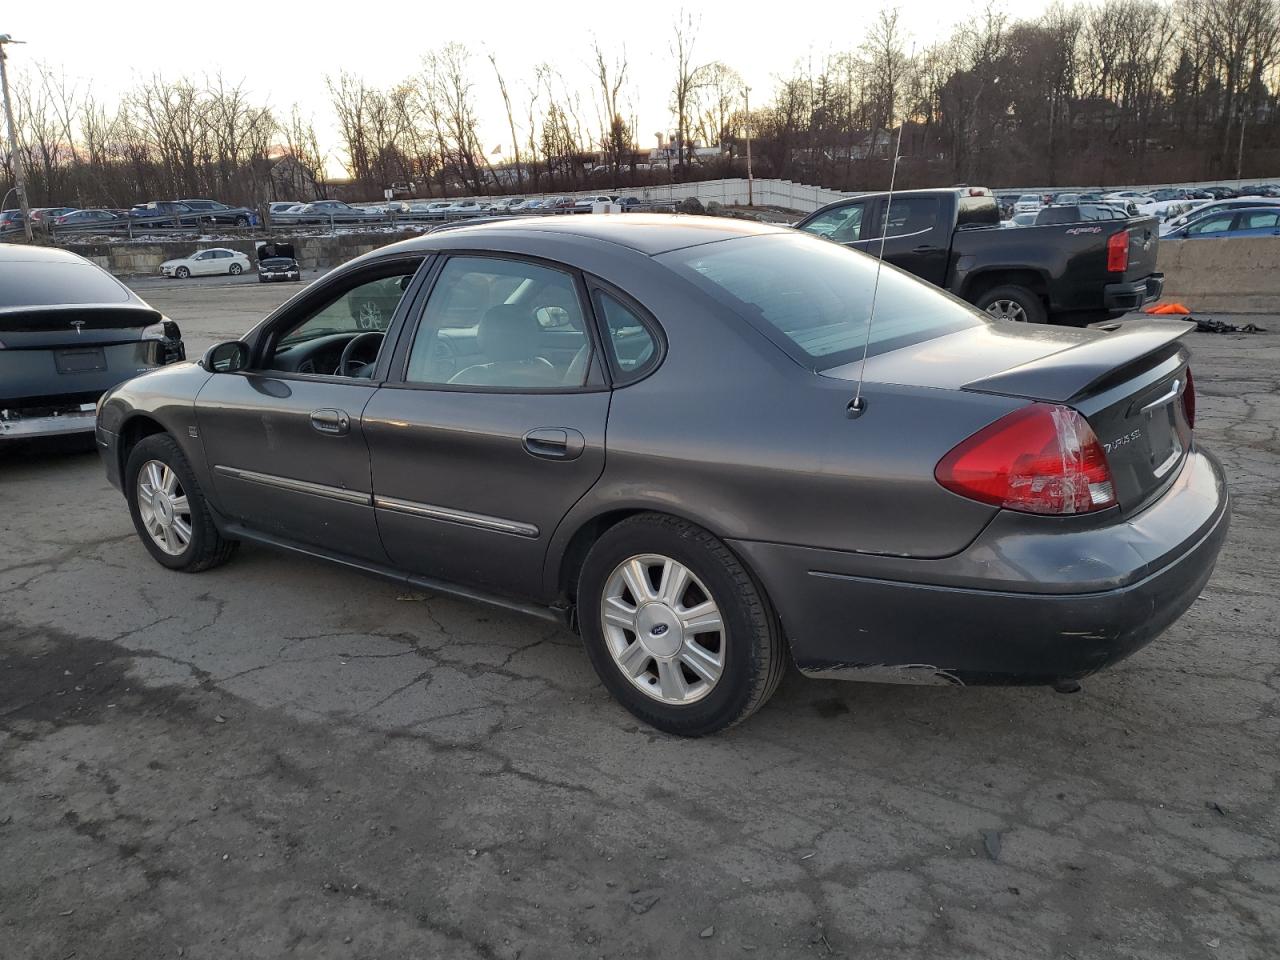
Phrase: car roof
[647,233]
[25,253]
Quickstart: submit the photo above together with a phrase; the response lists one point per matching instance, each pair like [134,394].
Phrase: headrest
[508,332]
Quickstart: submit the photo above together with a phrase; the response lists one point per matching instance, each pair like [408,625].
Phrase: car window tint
[1212,224]
[908,215]
[33,283]
[1259,220]
[632,345]
[492,322]
[843,224]
[360,309]
[818,296]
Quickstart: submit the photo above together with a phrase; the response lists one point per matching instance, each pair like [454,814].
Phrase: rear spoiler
[85,316]
[1080,369]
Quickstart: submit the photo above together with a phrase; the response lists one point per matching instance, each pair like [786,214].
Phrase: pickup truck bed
[1069,273]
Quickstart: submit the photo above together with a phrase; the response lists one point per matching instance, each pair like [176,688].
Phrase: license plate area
[80,360]
[1165,443]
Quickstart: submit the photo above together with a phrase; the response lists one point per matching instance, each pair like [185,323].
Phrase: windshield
[813,297]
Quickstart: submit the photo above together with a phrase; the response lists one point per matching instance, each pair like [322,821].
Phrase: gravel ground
[282,758]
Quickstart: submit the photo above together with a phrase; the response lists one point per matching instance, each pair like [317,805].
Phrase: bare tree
[688,78]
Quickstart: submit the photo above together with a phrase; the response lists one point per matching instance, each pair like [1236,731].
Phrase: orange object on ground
[1165,309]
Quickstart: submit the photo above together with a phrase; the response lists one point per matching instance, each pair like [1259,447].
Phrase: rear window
[813,297]
[25,283]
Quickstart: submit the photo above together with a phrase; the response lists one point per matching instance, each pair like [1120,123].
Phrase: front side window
[315,343]
[843,224]
[1211,224]
[498,323]
[814,299]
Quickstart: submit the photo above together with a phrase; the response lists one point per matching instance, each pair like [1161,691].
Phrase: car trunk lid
[1127,383]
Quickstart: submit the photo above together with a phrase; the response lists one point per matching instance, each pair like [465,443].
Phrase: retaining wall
[1240,275]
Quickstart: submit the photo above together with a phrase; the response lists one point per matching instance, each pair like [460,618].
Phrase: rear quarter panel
[732,434]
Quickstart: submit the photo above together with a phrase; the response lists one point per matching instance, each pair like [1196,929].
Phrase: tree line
[1121,91]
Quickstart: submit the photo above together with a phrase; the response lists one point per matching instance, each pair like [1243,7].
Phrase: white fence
[777,193]
[806,198]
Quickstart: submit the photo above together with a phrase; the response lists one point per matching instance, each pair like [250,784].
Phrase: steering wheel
[348,365]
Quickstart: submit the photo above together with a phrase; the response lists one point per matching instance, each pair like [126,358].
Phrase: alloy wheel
[663,629]
[164,508]
[1007,310]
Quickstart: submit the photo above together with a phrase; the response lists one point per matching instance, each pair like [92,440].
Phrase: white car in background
[1131,195]
[1028,203]
[216,260]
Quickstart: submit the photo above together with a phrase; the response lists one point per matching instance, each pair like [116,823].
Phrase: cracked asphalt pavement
[281,758]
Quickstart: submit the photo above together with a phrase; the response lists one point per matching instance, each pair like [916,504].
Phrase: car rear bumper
[1132,294]
[72,421]
[1058,603]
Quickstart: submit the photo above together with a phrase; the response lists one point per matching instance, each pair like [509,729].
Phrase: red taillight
[1043,458]
[1189,399]
[1118,252]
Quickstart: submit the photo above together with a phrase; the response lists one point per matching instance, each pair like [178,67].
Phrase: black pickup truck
[1073,273]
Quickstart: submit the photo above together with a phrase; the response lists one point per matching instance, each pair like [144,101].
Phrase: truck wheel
[1014,303]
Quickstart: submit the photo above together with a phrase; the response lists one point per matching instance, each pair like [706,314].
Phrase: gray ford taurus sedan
[642,426]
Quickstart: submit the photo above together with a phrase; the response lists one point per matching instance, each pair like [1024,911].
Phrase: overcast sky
[283,51]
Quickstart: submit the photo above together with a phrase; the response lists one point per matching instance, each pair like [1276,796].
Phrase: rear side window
[1259,220]
[26,283]
[908,215]
[813,299]
[632,344]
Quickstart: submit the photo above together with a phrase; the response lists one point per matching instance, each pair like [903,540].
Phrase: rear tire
[236,270]
[1012,302]
[669,689]
[204,546]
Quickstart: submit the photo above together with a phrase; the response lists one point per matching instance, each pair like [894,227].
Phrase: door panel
[286,449]
[460,496]
[498,430]
[915,239]
[279,471]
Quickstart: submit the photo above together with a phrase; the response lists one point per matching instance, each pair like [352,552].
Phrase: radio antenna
[858,406]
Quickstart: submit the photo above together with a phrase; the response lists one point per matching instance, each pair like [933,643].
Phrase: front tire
[242,221]
[1012,302]
[676,628]
[235,270]
[169,509]
[182,273]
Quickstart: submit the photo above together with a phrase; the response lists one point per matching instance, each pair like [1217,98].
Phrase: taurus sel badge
[77,324]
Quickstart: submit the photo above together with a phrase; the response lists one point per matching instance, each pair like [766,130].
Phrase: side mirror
[228,357]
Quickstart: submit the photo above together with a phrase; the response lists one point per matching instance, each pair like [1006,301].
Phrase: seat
[508,336]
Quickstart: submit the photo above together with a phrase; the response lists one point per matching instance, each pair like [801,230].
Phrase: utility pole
[747,98]
[19,184]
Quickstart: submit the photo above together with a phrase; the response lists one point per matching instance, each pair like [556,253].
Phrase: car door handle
[334,422]
[924,248]
[555,443]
